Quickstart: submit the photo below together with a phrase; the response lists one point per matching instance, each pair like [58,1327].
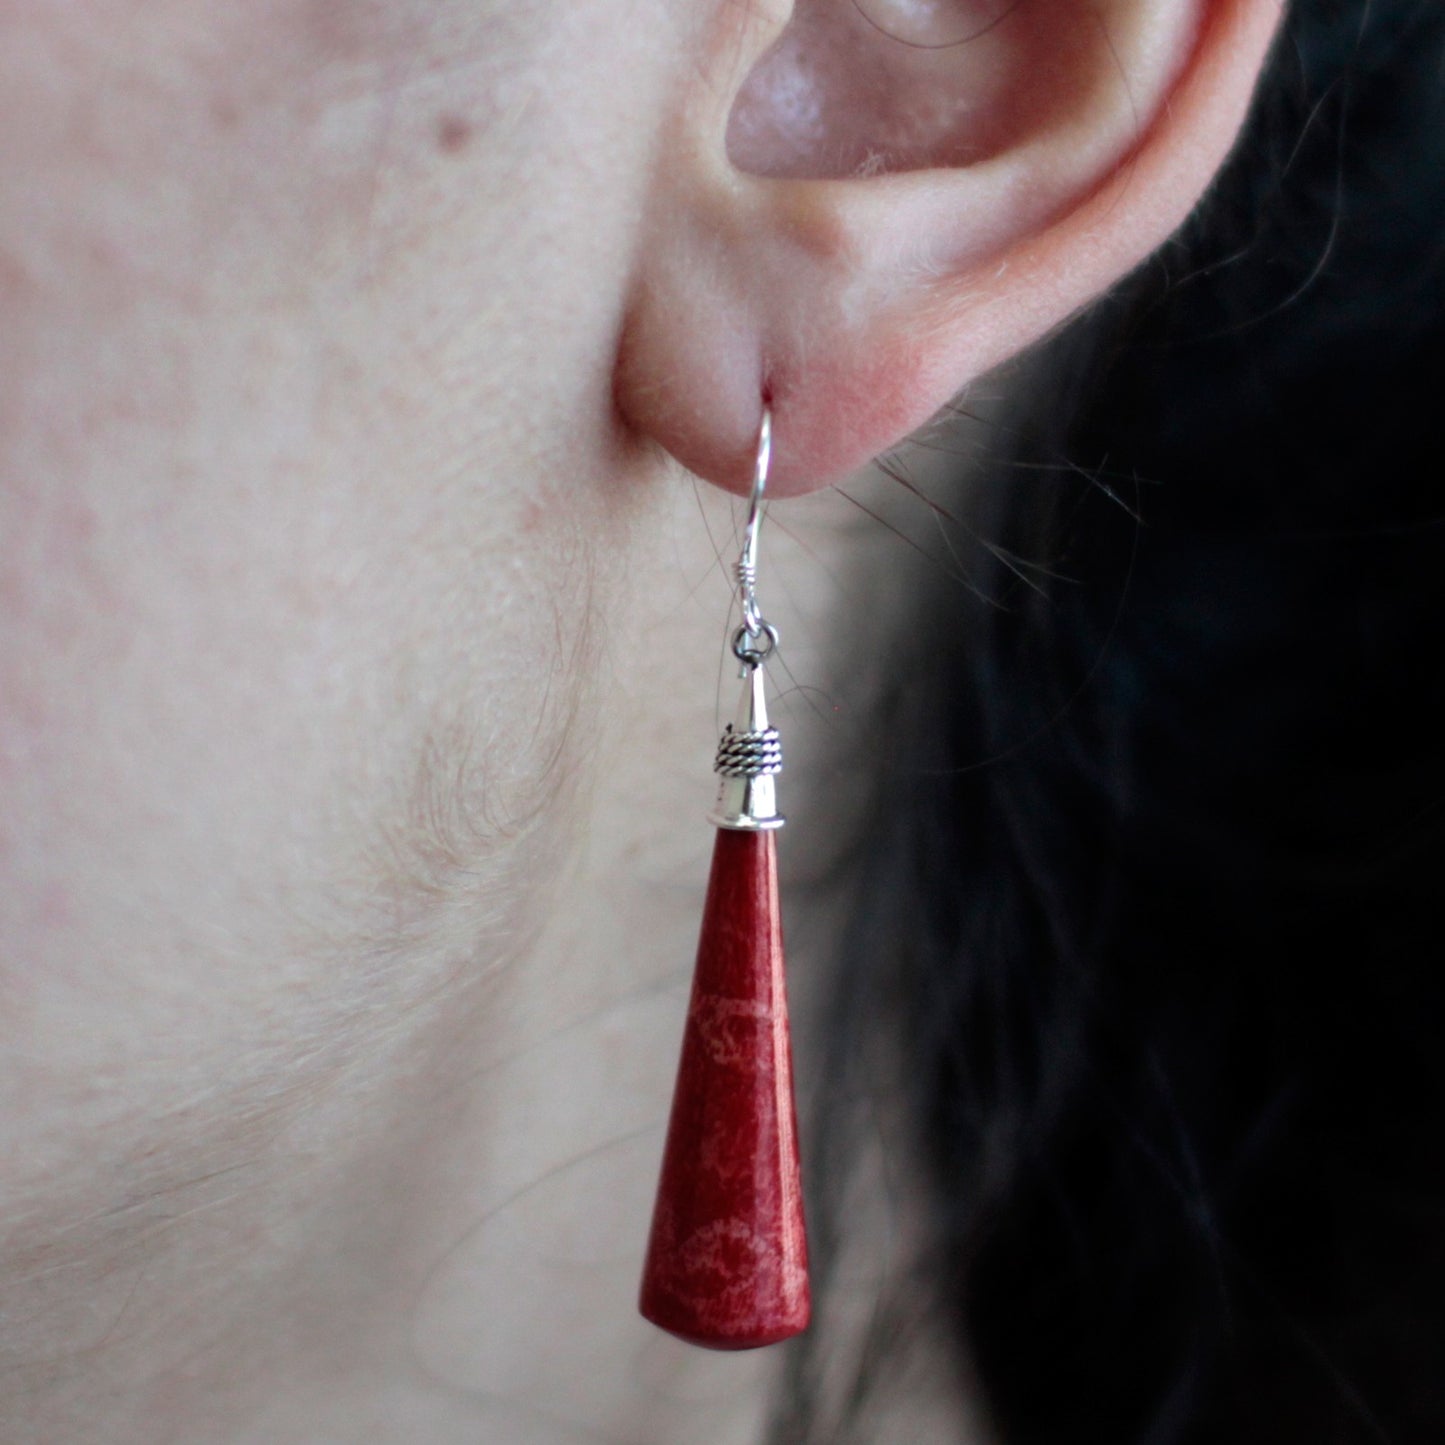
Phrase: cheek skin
[218,795]
[296,576]
[267,861]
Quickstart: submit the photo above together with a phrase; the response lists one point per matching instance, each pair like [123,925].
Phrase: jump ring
[754,647]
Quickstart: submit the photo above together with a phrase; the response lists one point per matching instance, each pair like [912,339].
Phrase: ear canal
[854,88]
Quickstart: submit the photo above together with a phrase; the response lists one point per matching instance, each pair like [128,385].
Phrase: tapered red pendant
[727,1259]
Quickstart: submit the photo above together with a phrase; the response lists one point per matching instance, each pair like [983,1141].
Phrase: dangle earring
[727,1259]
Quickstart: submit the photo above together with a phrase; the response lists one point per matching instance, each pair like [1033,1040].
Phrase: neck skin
[358,684]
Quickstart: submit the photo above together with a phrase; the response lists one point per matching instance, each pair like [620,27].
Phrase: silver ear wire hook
[755,640]
[749,560]
[750,755]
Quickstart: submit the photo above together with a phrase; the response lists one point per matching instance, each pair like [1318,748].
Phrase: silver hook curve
[747,565]
[760,487]
[747,562]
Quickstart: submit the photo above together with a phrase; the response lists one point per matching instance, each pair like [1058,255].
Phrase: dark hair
[1159,903]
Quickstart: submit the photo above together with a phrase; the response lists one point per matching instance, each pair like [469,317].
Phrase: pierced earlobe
[898,199]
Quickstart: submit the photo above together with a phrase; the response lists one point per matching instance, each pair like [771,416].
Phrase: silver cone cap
[749,758]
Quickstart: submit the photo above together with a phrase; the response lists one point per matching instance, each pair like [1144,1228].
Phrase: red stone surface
[727,1260]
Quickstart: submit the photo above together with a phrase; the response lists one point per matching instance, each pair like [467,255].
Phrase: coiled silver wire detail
[748,754]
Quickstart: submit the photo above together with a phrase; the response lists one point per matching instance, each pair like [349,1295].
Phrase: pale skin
[359,632]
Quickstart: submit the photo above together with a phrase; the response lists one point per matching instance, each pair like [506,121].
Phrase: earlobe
[862,221]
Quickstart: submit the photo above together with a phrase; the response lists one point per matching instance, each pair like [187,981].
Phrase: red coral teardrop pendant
[727,1260]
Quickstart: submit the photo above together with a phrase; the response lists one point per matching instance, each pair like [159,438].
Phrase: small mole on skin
[225,113]
[453,133]
[534,515]
[53,906]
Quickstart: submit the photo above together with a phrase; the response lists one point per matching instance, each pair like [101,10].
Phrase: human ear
[859,206]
